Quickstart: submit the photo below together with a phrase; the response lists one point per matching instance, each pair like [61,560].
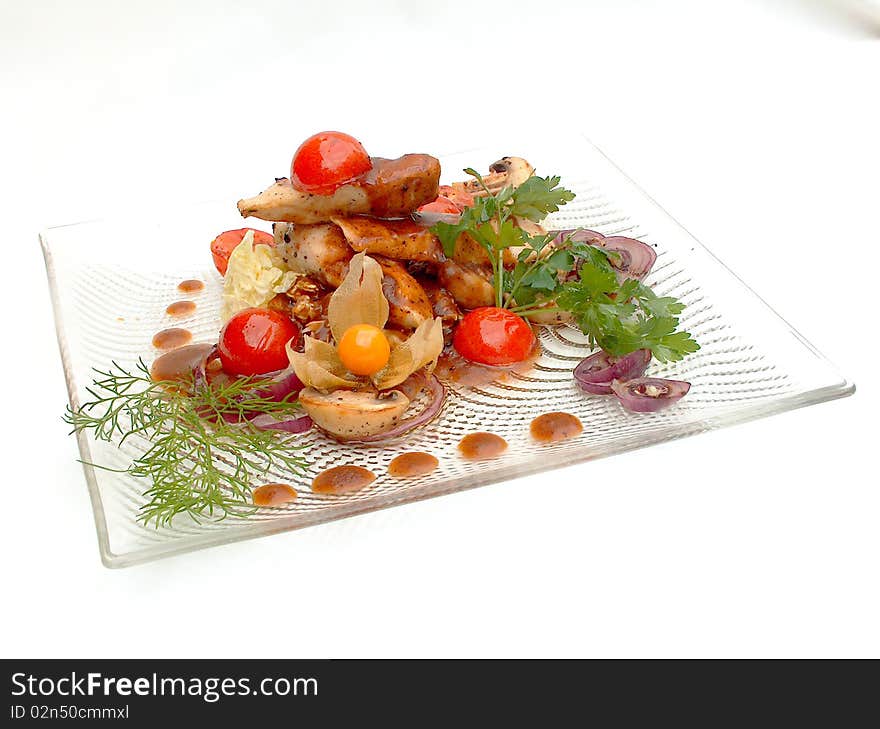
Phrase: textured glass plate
[111,282]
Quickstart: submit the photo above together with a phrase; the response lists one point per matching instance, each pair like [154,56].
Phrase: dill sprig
[197,462]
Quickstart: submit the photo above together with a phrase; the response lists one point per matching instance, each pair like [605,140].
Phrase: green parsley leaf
[538,196]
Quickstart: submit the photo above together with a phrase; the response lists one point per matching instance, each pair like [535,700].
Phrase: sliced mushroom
[508,171]
[348,414]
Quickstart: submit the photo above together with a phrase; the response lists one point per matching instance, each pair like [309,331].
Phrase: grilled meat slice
[407,301]
[470,285]
[391,188]
[318,250]
[402,240]
[442,303]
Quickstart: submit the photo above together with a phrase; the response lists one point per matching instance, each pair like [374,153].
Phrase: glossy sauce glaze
[480,446]
[181,308]
[395,187]
[410,465]
[172,338]
[553,427]
[273,494]
[452,367]
[190,286]
[178,364]
[342,480]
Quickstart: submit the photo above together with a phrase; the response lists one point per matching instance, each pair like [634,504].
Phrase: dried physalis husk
[319,366]
[359,298]
[422,348]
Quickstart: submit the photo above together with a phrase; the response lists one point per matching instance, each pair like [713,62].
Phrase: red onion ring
[636,258]
[578,235]
[596,373]
[281,384]
[649,394]
[438,397]
[278,387]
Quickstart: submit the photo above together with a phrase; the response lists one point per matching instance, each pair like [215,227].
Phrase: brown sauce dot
[273,494]
[478,446]
[181,308]
[410,465]
[172,338]
[191,286]
[552,427]
[452,367]
[178,363]
[342,480]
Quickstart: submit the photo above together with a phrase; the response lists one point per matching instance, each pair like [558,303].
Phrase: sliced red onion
[282,384]
[578,235]
[596,372]
[277,387]
[438,397]
[649,394]
[634,258]
[267,421]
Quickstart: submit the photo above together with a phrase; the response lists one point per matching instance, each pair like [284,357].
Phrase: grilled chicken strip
[441,300]
[408,303]
[402,240]
[318,250]
[470,285]
[391,188]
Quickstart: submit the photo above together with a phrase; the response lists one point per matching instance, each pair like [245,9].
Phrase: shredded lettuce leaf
[254,275]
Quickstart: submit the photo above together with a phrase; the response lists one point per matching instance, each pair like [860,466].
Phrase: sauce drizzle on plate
[172,338]
[178,364]
[273,494]
[190,286]
[342,480]
[410,465]
[553,427]
[480,446]
[181,308]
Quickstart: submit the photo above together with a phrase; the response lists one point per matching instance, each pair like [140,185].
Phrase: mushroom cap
[349,414]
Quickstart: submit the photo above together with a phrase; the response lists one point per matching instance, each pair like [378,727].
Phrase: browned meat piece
[317,250]
[391,188]
[470,286]
[402,240]
[441,300]
[407,301]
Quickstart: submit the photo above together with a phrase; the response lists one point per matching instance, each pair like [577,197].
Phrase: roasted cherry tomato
[253,342]
[328,160]
[440,205]
[223,245]
[493,336]
[364,349]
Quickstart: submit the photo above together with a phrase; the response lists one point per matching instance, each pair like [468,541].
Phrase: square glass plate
[111,282]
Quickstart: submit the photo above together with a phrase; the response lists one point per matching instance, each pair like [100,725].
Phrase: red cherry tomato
[493,336]
[440,205]
[223,245]
[253,342]
[327,160]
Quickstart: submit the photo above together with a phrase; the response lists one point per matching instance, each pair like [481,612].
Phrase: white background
[754,123]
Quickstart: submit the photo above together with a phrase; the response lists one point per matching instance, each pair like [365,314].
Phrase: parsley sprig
[490,220]
[617,316]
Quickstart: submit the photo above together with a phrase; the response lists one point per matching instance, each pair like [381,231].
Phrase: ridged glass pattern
[112,281]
